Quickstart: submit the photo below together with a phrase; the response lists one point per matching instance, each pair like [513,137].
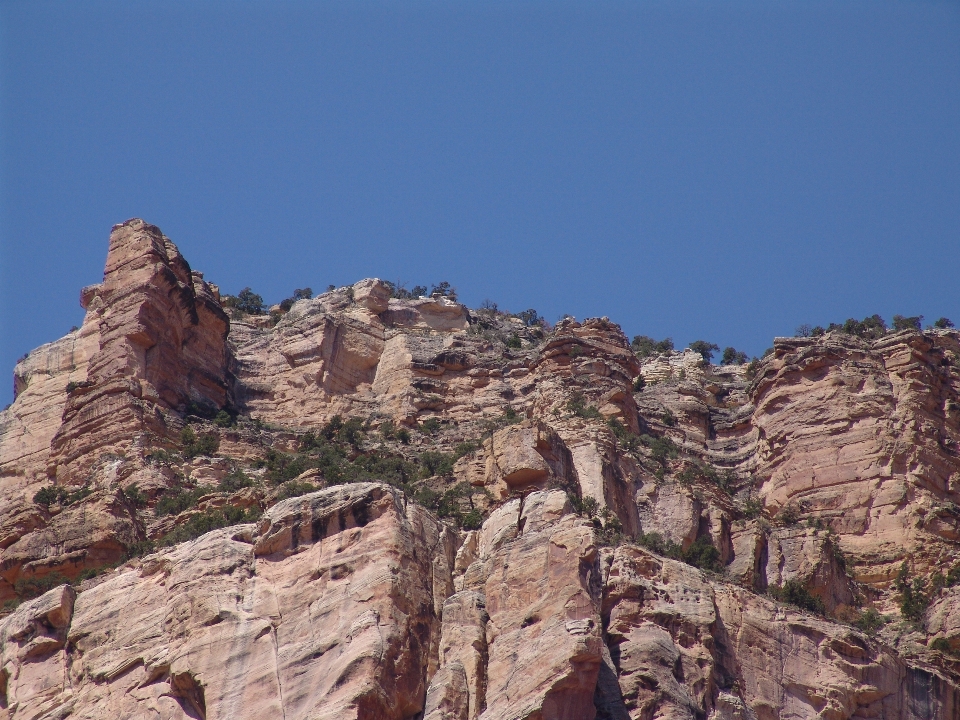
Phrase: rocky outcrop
[162,337]
[328,609]
[522,636]
[686,647]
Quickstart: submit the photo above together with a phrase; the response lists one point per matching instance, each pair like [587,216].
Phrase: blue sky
[715,170]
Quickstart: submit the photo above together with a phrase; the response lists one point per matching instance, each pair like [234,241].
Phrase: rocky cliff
[380,507]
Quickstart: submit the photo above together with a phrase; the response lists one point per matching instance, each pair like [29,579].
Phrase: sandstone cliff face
[162,338]
[523,559]
[341,604]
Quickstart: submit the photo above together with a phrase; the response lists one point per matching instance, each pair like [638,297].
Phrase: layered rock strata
[827,475]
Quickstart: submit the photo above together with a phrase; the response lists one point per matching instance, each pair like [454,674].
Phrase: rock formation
[372,506]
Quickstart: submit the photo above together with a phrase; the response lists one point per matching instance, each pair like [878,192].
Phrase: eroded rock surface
[826,474]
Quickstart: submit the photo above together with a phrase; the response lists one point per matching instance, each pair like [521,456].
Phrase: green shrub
[625,439]
[752,507]
[732,356]
[233,481]
[194,445]
[388,430]
[472,520]
[135,496]
[702,554]
[752,368]
[295,489]
[795,593]
[139,549]
[662,449]
[248,302]
[203,523]
[176,501]
[59,495]
[443,289]
[50,495]
[645,346]
[531,318]
[160,457]
[437,463]
[514,342]
[789,515]
[870,621]
[577,405]
[224,419]
[940,644]
[655,542]
[449,504]
[583,506]
[639,383]
[870,328]
[701,472]
[913,597]
[27,588]
[668,418]
[430,426]
[907,323]
[705,349]
[943,323]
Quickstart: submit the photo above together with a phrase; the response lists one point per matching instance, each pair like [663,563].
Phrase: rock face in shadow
[508,528]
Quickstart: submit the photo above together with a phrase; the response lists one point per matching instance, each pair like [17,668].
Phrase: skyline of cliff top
[724,173]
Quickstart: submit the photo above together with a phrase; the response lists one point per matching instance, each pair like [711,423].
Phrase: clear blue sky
[715,170]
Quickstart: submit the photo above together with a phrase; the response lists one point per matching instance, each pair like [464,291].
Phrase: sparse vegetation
[870,621]
[662,449]
[789,515]
[901,322]
[27,588]
[233,481]
[450,504]
[870,328]
[645,346]
[705,349]
[59,495]
[225,419]
[195,445]
[751,507]
[702,472]
[914,599]
[943,323]
[298,294]
[701,553]
[202,523]
[246,301]
[639,383]
[134,496]
[177,500]
[531,318]
[732,356]
[430,426]
[794,592]
[295,488]
[577,405]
